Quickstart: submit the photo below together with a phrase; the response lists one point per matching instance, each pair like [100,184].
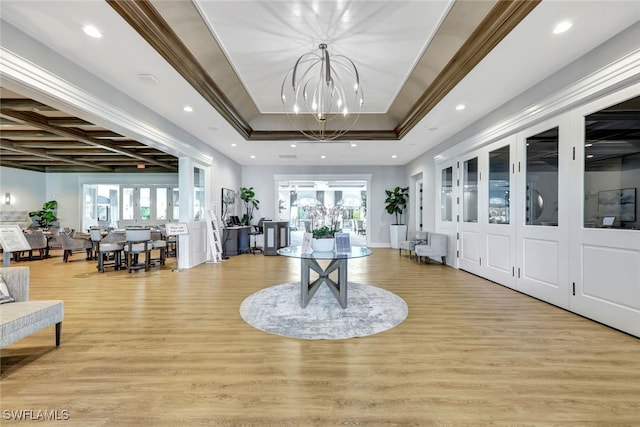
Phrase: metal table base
[308,289]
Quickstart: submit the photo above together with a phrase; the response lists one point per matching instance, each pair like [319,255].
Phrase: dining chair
[138,241]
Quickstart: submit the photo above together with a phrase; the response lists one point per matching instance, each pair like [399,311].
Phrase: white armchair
[417,238]
[437,245]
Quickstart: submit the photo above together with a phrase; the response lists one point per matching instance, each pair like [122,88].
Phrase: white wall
[27,188]
[261,178]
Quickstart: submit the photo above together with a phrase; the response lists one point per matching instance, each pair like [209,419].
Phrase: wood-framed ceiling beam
[25,105]
[21,165]
[8,145]
[37,121]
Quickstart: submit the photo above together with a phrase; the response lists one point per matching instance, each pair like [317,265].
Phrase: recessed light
[589,156]
[293,145]
[562,27]
[252,156]
[323,157]
[92,31]
[394,156]
[588,145]
[187,108]
[234,144]
[353,144]
[460,107]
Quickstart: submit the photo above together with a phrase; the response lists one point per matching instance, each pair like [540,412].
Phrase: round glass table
[338,263]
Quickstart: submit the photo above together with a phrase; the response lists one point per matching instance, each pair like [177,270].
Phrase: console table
[235,240]
[337,262]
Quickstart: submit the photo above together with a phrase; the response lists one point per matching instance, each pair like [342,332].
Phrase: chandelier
[322,95]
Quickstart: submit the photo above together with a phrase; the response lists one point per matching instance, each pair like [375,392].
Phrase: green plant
[396,201]
[247,195]
[47,215]
[324,232]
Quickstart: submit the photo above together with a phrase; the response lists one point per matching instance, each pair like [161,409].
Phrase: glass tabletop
[296,252]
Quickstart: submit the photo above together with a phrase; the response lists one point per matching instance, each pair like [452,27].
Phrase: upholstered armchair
[437,246]
[37,242]
[71,245]
[417,238]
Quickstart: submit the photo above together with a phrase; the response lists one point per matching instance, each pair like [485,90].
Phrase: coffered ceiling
[418,60]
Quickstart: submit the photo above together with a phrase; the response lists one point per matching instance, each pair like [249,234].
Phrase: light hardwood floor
[169,348]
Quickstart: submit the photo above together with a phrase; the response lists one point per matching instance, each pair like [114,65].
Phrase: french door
[542,222]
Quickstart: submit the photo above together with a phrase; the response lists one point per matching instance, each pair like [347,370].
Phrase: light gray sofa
[23,317]
[437,245]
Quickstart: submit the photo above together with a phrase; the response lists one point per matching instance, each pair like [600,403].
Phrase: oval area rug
[277,310]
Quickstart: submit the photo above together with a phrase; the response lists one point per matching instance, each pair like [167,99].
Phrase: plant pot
[398,234]
[323,245]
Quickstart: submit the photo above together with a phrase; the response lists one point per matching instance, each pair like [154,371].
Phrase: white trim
[31,78]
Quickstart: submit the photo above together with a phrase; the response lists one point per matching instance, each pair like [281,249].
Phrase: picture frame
[618,203]
[228,204]
[343,242]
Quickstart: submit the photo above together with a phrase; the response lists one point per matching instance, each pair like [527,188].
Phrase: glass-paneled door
[605,239]
[499,228]
[446,214]
[470,238]
[542,230]
[147,205]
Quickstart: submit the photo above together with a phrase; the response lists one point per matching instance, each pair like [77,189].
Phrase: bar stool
[259,230]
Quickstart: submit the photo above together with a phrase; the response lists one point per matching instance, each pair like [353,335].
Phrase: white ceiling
[262,39]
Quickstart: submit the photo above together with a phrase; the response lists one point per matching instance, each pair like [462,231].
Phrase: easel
[214,236]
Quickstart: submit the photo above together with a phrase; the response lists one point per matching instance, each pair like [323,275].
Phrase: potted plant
[45,216]
[248,197]
[324,227]
[396,202]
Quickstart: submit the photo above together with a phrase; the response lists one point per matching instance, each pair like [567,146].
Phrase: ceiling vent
[288,156]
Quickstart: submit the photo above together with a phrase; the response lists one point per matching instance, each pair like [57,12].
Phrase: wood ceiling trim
[146,20]
[503,18]
[37,121]
[149,23]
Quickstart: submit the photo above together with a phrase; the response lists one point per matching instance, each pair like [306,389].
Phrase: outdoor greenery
[47,215]
[247,195]
[396,202]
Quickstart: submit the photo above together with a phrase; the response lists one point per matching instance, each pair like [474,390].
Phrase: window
[542,179]
[499,186]
[470,191]
[612,166]
[446,194]
[198,194]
